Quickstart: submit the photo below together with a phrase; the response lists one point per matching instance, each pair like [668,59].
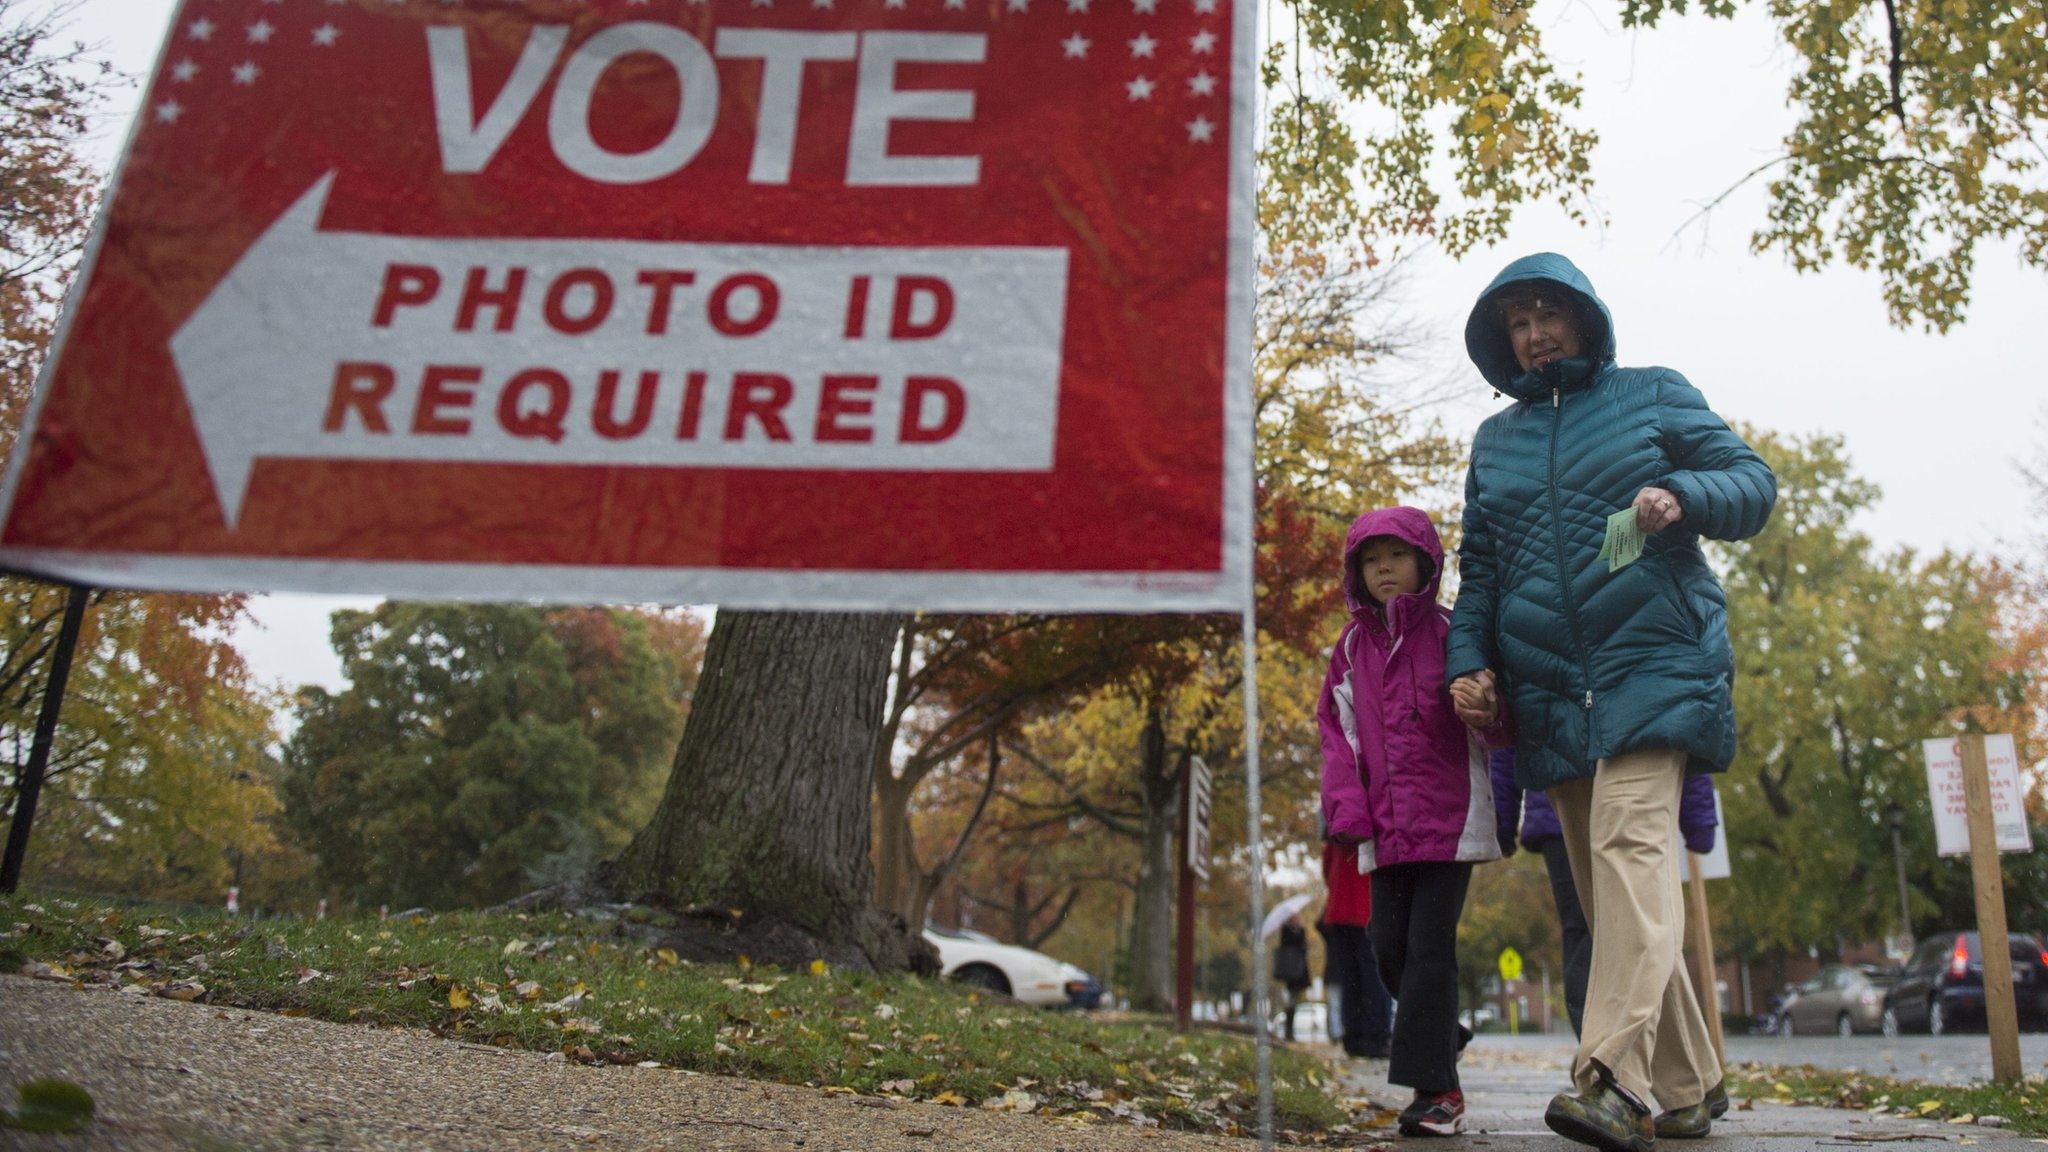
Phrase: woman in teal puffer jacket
[1619,681]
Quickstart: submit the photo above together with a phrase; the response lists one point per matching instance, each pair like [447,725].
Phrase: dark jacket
[1696,816]
[1290,959]
[1597,664]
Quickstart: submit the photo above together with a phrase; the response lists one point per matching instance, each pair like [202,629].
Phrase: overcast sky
[1938,422]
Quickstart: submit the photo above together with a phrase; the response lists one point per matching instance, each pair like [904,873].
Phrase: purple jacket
[1401,775]
[1696,819]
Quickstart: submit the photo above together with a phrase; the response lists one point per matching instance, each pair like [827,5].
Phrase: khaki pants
[1642,1023]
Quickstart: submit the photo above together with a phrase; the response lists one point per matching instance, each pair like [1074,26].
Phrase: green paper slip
[1623,545]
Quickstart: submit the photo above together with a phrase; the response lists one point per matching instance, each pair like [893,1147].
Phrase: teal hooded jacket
[1596,664]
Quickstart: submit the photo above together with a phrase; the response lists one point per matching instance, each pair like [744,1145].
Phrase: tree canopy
[481,750]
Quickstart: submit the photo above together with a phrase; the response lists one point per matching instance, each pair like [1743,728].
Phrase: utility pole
[1896,817]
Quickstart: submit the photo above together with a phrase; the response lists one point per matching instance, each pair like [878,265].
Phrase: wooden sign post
[1703,952]
[2000,1016]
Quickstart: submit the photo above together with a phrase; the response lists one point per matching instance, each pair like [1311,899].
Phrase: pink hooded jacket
[1401,773]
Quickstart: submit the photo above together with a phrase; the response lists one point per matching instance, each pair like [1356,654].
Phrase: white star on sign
[1205,5]
[1077,5]
[763,3]
[246,72]
[184,70]
[1204,41]
[325,35]
[1201,84]
[956,5]
[896,5]
[1143,46]
[1076,46]
[200,29]
[821,3]
[1019,5]
[1200,131]
[1145,7]
[1140,89]
[259,32]
[169,111]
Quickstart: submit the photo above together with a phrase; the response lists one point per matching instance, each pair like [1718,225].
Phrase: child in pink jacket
[1406,781]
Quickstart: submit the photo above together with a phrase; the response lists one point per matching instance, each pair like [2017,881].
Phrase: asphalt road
[1937,1059]
[1954,1059]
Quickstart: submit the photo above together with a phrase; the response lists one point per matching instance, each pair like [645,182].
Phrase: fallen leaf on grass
[819,967]
[458,998]
[950,1099]
[184,991]
[50,1106]
[668,956]
[515,947]
[1928,1107]
[900,1087]
[841,1090]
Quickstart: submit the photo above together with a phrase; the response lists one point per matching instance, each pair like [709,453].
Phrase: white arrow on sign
[329,345]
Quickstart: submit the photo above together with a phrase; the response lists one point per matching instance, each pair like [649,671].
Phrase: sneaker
[1370,1050]
[1695,1122]
[1464,1037]
[1434,1114]
[1602,1118]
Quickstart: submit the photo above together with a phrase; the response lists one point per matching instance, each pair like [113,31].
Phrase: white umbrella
[1281,912]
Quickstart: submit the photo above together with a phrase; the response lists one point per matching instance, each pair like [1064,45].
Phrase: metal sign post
[30,785]
[1255,841]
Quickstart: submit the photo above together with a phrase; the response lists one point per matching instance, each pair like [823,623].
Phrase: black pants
[1415,910]
[1352,967]
[1571,922]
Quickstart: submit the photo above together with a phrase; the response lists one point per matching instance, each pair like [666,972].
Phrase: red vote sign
[853,303]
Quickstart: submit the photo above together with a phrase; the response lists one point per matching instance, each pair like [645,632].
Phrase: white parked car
[1031,977]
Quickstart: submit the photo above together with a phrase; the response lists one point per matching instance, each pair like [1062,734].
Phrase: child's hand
[1475,701]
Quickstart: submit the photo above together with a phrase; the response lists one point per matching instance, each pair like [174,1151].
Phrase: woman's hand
[1656,510]
[1474,699]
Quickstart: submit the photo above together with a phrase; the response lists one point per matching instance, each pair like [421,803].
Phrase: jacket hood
[1408,525]
[1486,338]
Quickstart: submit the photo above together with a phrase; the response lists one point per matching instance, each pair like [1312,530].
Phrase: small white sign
[1714,865]
[1199,789]
[1945,791]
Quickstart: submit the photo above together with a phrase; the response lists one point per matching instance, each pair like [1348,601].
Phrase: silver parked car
[1840,999]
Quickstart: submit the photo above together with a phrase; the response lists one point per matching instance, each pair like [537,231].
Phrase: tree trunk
[895,857]
[1152,959]
[764,829]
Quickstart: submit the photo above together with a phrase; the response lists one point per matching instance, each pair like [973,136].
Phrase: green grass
[2024,1105]
[576,986]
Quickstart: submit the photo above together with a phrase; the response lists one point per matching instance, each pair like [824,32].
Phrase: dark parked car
[1840,999]
[1942,986]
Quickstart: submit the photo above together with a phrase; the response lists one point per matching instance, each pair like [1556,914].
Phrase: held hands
[1476,701]
[1656,510]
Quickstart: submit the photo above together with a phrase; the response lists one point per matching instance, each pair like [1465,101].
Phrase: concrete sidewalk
[1508,1082]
